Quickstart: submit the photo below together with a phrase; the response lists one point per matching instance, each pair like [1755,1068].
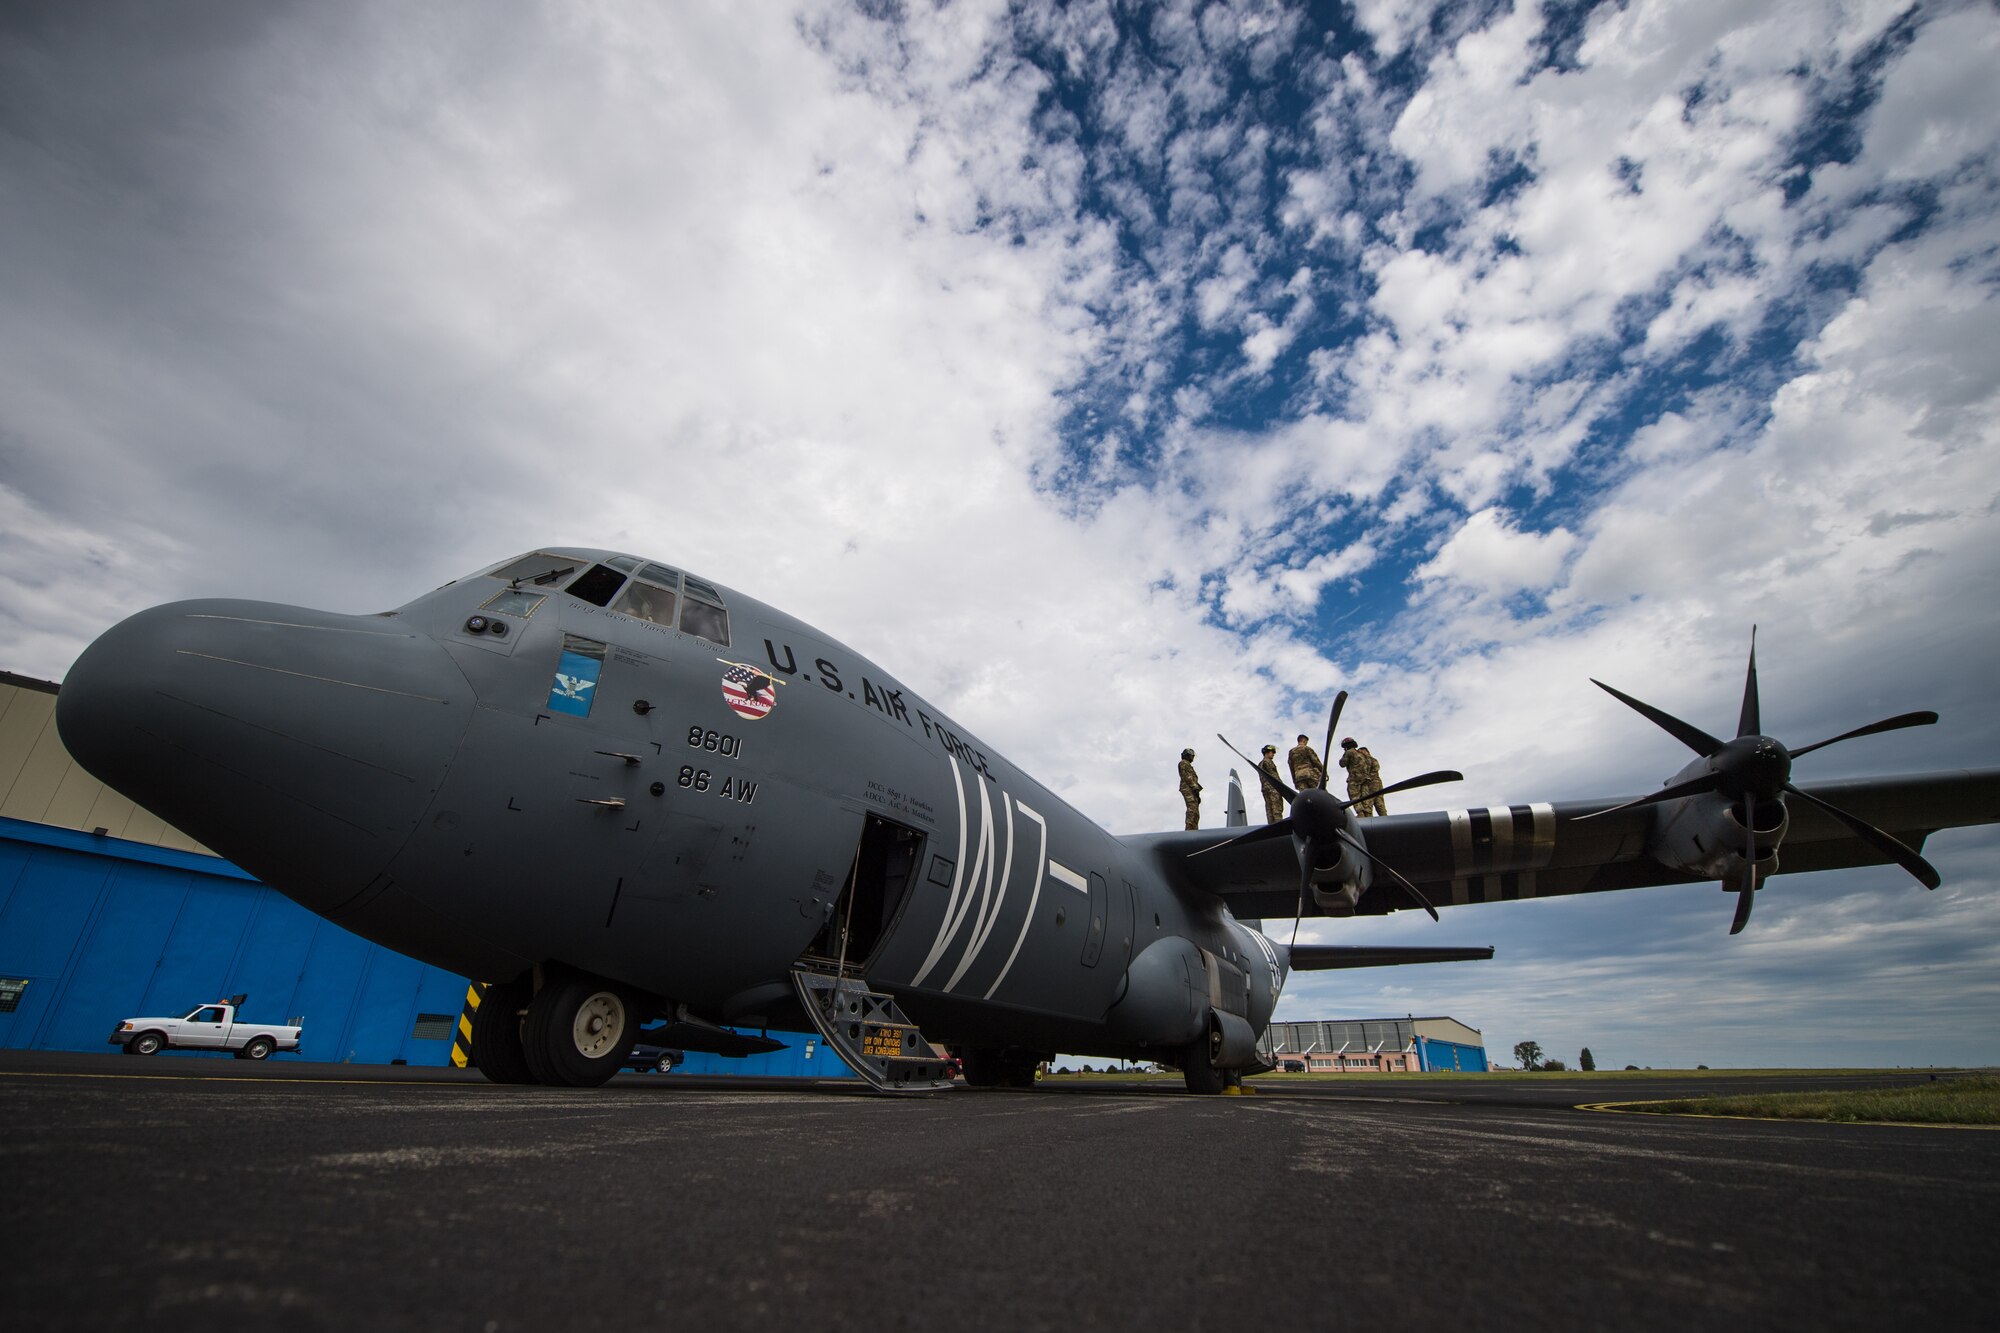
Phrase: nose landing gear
[574,1032]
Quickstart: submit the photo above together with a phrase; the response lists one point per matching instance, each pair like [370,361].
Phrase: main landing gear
[573,1032]
[997,1069]
[1198,1069]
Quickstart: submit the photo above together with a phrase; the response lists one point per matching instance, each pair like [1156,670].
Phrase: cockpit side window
[514,602]
[597,585]
[541,570]
[646,601]
[705,621]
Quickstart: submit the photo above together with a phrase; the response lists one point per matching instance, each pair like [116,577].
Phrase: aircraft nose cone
[301,745]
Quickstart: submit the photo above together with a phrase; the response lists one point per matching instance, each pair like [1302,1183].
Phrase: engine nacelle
[1176,991]
[1704,835]
[1337,899]
[1165,1001]
[1338,889]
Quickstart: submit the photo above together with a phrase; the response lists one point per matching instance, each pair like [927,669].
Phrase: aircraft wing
[1506,852]
[1326,957]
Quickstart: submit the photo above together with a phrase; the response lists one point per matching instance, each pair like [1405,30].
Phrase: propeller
[1320,824]
[1754,768]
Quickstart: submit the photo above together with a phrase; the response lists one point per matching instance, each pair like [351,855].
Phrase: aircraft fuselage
[686,813]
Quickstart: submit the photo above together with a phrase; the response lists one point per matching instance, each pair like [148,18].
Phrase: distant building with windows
[1376,1046]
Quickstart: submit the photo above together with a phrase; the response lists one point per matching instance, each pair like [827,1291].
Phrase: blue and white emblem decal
[577,670]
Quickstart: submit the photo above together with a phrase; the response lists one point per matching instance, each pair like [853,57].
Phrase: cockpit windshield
[648,600]
[626,585]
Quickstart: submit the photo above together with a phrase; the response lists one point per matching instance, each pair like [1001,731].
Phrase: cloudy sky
[1115,374]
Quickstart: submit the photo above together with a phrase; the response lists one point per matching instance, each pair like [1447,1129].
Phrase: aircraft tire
[981,1068]
[1198,1069]
[496,1034]
[997,1069]
[579,1031]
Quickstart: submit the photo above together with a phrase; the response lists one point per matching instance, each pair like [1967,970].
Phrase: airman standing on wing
[1364,778]
[1374,780]
[1274,800]
[1190,789]
[1307,770]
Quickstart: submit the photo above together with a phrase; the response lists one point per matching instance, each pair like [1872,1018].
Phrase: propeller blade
[1692,787]
[1749,722]
[1290,795]
[1746,894]
[1882,842]
[1281,829]
[1332,725]
[1305,883]
[1380,864]
[1694,738]
[1744,897]
[1421,780]
[1896,723]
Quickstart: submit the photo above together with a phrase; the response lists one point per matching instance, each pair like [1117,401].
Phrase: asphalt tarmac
[207,1193]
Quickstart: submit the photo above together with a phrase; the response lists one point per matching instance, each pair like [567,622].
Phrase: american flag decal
[750,693]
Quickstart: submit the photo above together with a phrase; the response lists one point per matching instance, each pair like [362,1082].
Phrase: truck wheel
[259,1048]
[496,1033]
[666,1065]
[579,1030]
[146,1043]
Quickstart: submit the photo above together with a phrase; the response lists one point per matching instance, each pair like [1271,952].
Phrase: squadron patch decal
[750,693]
[577,670]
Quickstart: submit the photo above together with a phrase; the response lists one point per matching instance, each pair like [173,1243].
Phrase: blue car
[660,1058]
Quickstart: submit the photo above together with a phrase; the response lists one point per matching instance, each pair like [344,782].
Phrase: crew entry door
[878,884]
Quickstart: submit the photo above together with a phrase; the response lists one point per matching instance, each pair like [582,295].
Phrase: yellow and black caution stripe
[461,1042]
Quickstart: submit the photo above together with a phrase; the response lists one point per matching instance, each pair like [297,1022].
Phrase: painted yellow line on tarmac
[244,1078]
[1618,1108]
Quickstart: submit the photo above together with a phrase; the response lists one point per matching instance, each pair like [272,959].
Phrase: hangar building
[1377,1045]
[106,912]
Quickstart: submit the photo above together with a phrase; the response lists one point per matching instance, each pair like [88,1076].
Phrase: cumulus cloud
[1491,556]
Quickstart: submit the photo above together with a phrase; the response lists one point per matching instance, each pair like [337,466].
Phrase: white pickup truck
[211,1027]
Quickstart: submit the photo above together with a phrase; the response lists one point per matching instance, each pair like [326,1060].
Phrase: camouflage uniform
[1191,793]
[1274,800]
[1364,776]
[1307,771]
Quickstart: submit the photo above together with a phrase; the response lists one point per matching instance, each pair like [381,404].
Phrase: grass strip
[1972,1100]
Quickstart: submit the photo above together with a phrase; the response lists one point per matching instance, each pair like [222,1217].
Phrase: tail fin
[1238,815]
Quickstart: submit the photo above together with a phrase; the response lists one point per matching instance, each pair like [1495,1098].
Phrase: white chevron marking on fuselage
[957,879]
[983,927]
[1044,868]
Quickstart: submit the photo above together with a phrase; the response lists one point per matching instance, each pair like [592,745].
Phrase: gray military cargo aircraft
[623,795]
